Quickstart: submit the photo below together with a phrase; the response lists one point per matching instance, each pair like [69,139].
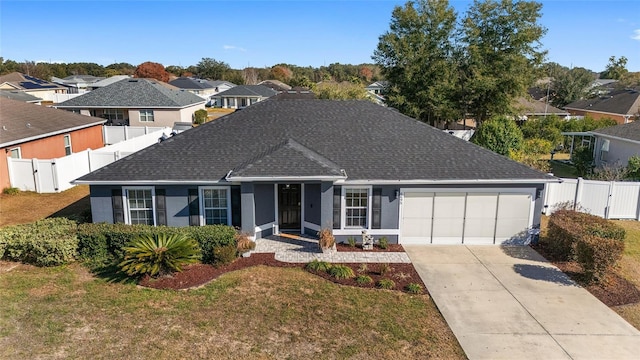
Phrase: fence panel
[21,171]
[46,180]
[70,168]
[625,197]
[558,193]
[594,197]
[116,134]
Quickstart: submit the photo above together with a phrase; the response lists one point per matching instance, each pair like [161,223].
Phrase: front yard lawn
[260,312]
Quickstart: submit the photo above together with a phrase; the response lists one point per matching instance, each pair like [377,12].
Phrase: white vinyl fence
[55,175]
[607,199]
[116,134]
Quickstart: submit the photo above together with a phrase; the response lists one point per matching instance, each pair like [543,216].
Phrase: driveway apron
[510,303]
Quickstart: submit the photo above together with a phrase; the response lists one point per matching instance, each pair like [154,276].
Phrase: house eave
[454,181]
[53,133]
[82,107]
[283,178]
[614,137]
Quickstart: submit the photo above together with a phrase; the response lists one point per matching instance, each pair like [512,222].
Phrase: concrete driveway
[510,303]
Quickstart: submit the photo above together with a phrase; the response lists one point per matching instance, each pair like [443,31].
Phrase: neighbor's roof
[23,122]
[109,81]
[137,93]
[622,102]
[221,82]
[630,131]
[314,139]
[189,83]
[276,85]
[25,82]
[528,106]
[248,90]
[19,95]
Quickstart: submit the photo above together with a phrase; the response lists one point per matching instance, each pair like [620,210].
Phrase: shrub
[351,241]
[11,191]
[383,243]
[159,254]
[364,279]
[384,268]
[583,160]
[317,265]
[92,243]
[200,116]
[597,255]
[243,243]
[48,242]
[341,272]
[211,237]
[386,284]
[414,288]
[326,239]
[224,254]
[363,268]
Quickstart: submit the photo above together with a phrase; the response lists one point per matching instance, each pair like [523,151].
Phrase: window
[231,102]
[215,204]
[356,207]
[243,102]
[139,202]
[16,153]
[67,145]
[146,115]
[113,115]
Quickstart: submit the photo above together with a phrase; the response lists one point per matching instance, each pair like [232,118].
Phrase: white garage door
[469,218]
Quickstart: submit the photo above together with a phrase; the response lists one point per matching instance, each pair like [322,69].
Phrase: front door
[289,210]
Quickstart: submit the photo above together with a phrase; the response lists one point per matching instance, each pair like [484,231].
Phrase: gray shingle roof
[298,137]
[19,95]
[623,102]
[248,90]
[189,83]
[22,121]
[134,93]
[630,131]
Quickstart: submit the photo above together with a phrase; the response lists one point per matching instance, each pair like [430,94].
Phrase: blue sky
[264,33]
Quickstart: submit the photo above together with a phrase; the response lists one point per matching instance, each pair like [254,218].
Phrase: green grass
[563,170]
[256,313]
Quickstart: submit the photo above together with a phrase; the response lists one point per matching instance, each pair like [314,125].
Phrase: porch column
[326,207]
[247,205]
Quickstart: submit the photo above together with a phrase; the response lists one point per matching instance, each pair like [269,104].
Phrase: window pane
[356,207]
[215,206]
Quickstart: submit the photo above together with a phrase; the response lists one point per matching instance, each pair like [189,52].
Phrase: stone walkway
[304,250]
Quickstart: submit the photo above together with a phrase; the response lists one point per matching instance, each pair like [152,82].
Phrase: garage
[472,218]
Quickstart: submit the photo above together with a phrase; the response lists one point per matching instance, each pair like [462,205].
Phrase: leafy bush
[159,254]
[326,239]
[48,242]
[383,243]
[224,254]
[317,265]
[386,284]
[244,244]
[200,116]
[633,168]
[11,191]
[499,134]
[384,268]
[211,237]
[341,272]
[364,279]
[583,160]
[351,241]
[597,255]
[414,288]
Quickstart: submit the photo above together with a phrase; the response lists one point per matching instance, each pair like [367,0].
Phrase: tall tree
[341,91]
[499,134]
[152,70]
[212,69]
[501,40]
[571,85]
[250,76]
[415,56]
[616,69]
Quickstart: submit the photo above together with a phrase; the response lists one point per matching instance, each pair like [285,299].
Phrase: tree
[571,85]
[209,68]
[8,66]
[152,70]
[415,57]
[200,116]
[547,128]
[281,73]
[616,69]
[175,70]
[499,134]
[341,91]
[250,76]
[366,73]
[502,52]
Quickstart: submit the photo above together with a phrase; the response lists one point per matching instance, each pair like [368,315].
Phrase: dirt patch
[197,275]
[27,206]
[614,290]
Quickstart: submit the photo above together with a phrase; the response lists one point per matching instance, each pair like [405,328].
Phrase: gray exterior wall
[101,207]
[248,209]
[312,203]
[265,203]
[618,154]
[177,200]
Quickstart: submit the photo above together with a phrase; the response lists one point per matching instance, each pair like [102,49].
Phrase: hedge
[596,255]
[48,242]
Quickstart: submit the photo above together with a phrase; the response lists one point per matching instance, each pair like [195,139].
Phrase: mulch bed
[196,275]
[614,290]
[358,248]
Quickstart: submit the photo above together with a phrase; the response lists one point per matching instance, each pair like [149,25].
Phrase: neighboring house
[32,131]
[275,85]
[303,165]
[201,87]
[20,96]
[377,88]
[39,88]
[77,84]
[616,144]
[241,96]
[621,105]
[137,102]
[527,107]
[108,81]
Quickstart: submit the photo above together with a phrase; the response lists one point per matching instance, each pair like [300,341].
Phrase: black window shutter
[116,204]
[375,208]
[194,208]
[337,193]
[236,209]
[161,207]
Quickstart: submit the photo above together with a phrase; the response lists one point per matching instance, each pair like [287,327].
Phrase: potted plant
[244,244]
[326,240]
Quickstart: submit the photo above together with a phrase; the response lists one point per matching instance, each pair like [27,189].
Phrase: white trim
[265,226]
[146,116]
[288,179]
[369,231]
[597,135]
[58,132]
[125,201]
[312,226]
[67,136]
[343,207]
[19,152]
[90,107]
[201,201]
[275,202]
[302,208]
[449,182]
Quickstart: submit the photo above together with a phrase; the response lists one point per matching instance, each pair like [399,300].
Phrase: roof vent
[29,125]
[4,128]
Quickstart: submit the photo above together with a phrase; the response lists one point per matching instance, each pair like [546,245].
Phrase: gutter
[58,132]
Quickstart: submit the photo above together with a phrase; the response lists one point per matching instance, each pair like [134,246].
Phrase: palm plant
[159,254]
